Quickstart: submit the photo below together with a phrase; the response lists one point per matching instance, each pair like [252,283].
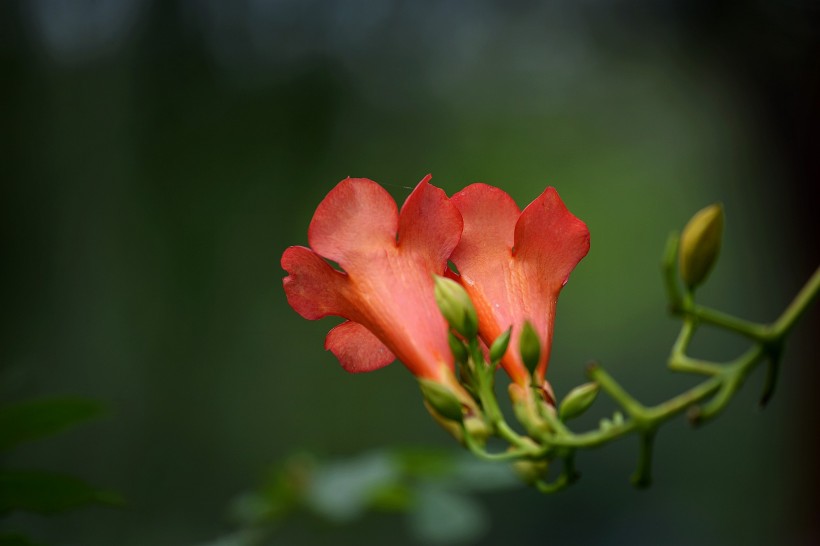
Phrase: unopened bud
[700,245]
[478,429]
[530,471]
[457,348]
[530,346]
[441,399]
[456,306]
[578,400]
[499,346]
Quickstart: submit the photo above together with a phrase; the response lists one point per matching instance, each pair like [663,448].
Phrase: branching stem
[551,437]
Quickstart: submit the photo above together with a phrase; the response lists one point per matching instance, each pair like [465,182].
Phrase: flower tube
[385,289]
[513,265]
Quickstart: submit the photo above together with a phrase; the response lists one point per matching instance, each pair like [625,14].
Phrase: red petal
[484,253]
[355,219]
[313,288]
[484,258]
[429,224]
[551,238]
[357,349]
[489,224]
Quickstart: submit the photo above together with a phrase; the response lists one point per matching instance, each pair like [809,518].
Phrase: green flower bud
[578,400]
[700,245]
[499,346]
[441,399]
[530,346]
[456,306]
[457,348]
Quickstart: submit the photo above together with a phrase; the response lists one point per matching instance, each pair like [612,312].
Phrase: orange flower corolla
[385,290]
[513,265]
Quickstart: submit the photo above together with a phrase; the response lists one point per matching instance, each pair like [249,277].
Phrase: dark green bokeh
[159,158]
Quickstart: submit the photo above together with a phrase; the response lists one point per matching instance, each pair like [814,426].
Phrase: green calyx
[441,399]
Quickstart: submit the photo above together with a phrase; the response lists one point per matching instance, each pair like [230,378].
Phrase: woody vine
[454,329]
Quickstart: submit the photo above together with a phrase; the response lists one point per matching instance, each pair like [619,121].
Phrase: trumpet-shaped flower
[513,265]
[385,290]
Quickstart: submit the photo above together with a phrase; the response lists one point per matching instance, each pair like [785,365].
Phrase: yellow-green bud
[499,346]
[578,400]
[700,245]
[530,471]
[456,306]
[441,399]
[530,346]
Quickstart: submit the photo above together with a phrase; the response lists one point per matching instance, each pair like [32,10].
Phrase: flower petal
[484,260]
[357,349]
[483,257]
[429,224]
[550,238]
[489,217]
[313,288]
[355,219]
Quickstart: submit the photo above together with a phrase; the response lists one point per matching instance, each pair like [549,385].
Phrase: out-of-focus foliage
[434,488]
[35,491]
[33,419]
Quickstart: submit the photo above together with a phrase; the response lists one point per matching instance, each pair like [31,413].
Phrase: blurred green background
[159,156]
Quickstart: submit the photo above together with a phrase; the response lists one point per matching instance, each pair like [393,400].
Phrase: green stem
[506,432]
[483,454]
[685,364]
[594,438]
[548,413]
[485,375]
[634,408]
[797,307]
[745,328]
[772,369]
[642,477]
[566,477]
[680,362]
[672,407]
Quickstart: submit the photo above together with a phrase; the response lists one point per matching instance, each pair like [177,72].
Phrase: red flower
[386,289]
[513,265]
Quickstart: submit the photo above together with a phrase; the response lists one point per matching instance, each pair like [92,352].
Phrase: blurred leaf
[252,509]
[394,497]
[46,493]
[246,537]
[30,420]
[444,517]
[15,539]
[342,491]
[473,474]
[283,490]
[421,462]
